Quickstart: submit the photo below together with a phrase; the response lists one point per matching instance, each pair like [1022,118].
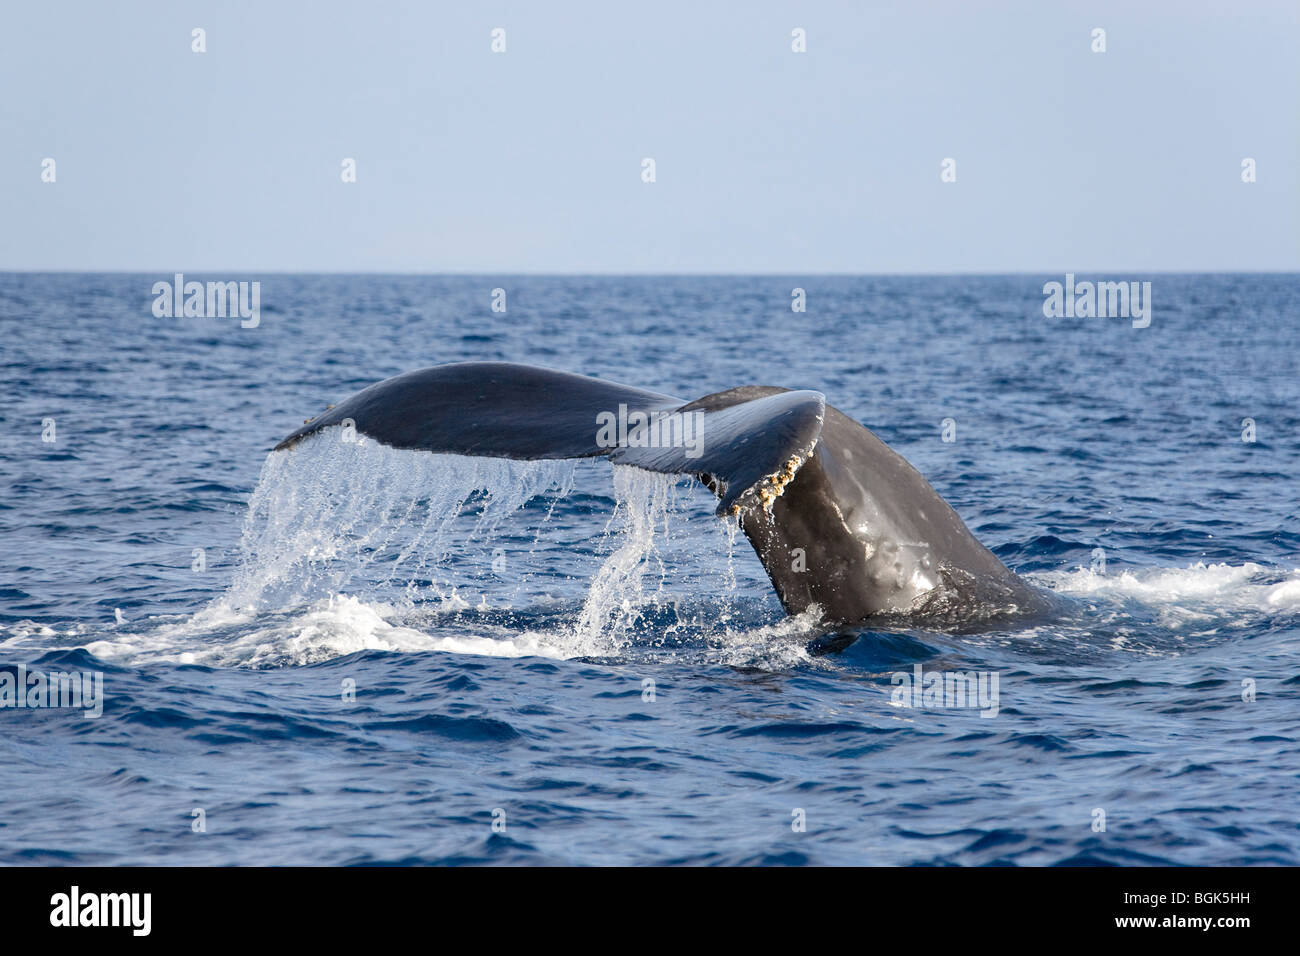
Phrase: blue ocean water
[345,654]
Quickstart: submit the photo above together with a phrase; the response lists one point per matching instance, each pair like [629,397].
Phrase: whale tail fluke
[838,519]
[742,443]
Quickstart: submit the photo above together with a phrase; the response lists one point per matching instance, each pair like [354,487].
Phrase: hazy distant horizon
[767,161]
[807,273]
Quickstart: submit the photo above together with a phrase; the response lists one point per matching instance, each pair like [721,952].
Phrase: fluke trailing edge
[838,519]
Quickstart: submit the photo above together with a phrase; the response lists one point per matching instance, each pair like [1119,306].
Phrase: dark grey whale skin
[840,521]
[493,409]
[860,533]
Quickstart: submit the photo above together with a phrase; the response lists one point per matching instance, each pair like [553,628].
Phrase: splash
[351,547]
[331,516]
[356,546]
[617,595]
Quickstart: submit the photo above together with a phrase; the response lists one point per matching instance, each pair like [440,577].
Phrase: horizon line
[560,274]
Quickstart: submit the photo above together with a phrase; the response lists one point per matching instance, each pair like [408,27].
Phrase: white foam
[775,646]
[1199,587]
[326,629]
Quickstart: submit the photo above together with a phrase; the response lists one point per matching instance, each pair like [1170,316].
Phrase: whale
[847,530]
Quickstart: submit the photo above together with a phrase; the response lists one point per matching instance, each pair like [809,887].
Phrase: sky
[766,160]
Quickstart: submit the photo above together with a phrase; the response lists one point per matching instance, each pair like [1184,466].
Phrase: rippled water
[590,654]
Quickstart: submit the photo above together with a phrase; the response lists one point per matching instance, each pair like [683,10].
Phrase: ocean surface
[345,654]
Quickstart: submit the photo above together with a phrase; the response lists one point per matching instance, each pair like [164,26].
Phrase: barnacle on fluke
[773,486]
[308,421]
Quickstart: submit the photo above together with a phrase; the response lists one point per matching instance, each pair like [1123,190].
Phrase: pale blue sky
[767,160]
